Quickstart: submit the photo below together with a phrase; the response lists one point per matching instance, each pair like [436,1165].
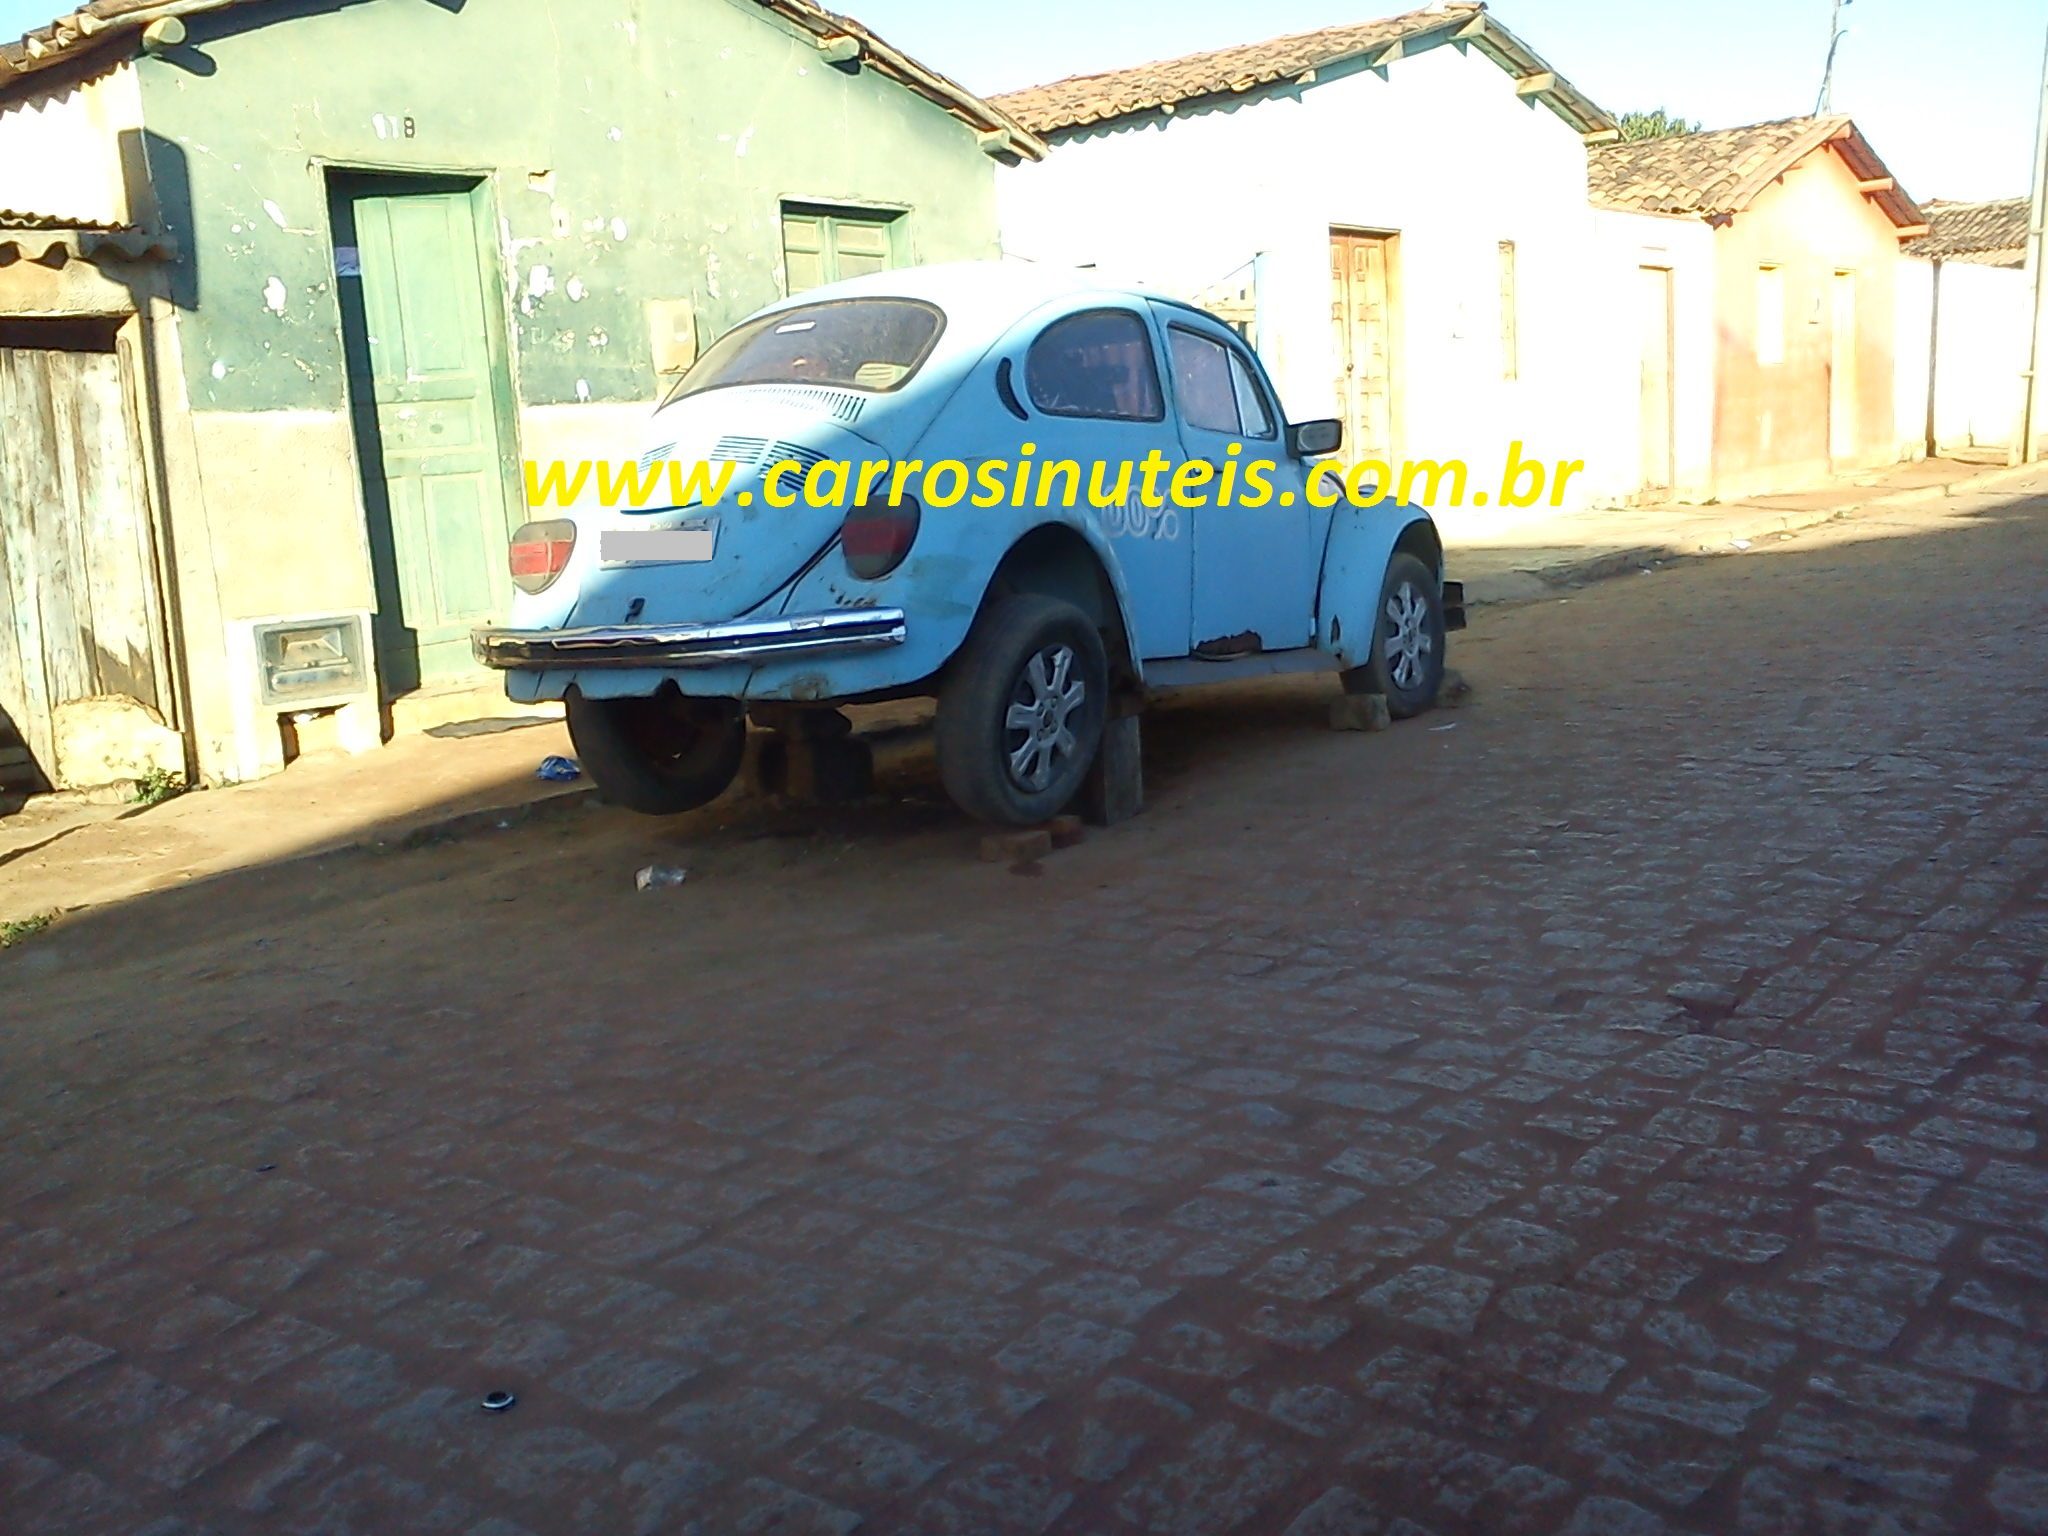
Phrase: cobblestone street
[1609,1108]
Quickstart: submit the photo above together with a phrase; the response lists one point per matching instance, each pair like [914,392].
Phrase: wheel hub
[1039,724]
[1408,641]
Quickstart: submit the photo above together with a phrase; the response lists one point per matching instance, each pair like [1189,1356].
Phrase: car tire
[1407,665]
[659,755]
[1021,710]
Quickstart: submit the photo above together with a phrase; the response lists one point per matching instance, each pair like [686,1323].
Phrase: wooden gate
[80,609]
[1362,312]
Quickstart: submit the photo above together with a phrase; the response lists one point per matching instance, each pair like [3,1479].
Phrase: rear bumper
[1454,605]
[689,645]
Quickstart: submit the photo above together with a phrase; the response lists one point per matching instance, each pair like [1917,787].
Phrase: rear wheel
[661,755]
[1022,709]
[1408,641]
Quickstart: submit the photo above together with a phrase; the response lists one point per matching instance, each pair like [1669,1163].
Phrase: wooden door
[423,387]
[1361,310]
[1654,320]
[80,609]
[1843,436]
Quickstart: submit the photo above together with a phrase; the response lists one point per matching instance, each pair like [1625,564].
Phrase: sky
[1947,91]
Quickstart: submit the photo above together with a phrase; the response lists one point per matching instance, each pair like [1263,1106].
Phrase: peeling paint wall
[637,150]
[635,154]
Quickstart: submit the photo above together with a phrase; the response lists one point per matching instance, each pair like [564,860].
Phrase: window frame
[1151,357]
[891,221]
[1772,274]
[1234,352]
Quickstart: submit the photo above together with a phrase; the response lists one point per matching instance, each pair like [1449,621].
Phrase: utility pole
[1826,103]
[2037,214]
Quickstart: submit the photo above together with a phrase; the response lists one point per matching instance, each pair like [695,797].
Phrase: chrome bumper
[688,645]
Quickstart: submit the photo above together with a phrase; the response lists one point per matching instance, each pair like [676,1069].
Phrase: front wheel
[1021,710]
[1408,641]
[662,755]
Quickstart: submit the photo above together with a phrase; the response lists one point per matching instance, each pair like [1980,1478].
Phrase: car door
[1253,567]
[1093,379]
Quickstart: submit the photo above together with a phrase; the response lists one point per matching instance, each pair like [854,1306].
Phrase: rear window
[871,344]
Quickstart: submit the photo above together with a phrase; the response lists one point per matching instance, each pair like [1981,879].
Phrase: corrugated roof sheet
[1993,234]
[1714,174]
[1167,83]
[42,236]
[104,22]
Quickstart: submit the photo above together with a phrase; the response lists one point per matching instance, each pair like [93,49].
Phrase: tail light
[540,553]
[877,535]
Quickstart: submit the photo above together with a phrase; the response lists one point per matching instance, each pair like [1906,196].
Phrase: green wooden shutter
[821,246]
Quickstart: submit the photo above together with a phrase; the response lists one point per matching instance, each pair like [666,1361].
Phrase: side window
[1251,400]
[1202,382]
[1097,363]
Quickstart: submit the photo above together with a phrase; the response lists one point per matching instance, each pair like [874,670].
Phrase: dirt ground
[1612,1106]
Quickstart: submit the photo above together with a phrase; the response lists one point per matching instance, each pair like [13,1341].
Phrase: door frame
[480,185]
[1670,285]
[1845,416]
[1396,339]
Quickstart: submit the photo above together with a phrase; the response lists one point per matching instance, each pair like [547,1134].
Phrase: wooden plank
[114,533]
[62,589]
[1536,84]
[149,554]
[27,474]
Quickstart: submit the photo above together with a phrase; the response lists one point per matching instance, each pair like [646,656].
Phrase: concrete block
[1066,831]
[112,737]
[1455,690]
[1360,712]
[1115,788]
[825,771]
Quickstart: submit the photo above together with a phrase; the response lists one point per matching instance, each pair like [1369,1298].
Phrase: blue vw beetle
[1021,568]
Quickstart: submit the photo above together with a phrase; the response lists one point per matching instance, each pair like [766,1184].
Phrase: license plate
[694,541]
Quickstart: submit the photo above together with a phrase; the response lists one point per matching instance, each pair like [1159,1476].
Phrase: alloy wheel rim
[1408,642]
[1039,724]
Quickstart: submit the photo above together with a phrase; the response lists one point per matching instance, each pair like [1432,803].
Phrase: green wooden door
[422,377]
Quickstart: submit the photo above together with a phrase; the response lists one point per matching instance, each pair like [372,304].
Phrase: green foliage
[15,930]
[159,785]
[1654,125]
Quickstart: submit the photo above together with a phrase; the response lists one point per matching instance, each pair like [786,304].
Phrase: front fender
[1361,542]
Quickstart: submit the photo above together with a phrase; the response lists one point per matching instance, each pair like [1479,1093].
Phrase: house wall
[1439,149]
[1771,429]
[635,154]
[1625,243]
[1979,383]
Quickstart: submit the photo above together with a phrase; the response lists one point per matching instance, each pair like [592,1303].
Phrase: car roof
[982,293]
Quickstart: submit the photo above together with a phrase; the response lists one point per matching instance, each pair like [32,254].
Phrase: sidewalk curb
[1617,562]
[556,802]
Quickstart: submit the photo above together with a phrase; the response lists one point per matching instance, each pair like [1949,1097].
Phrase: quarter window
[1251,400]
[1097,363]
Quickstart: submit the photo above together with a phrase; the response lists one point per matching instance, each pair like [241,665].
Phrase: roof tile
[1081,100]
[1991,234]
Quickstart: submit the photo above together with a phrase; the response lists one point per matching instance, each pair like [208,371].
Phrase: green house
[291,288]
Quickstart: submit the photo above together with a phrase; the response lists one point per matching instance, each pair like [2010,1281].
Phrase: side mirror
[1308,439]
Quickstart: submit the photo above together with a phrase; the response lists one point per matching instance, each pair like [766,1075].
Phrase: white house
[1394,211]
[1964,309]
